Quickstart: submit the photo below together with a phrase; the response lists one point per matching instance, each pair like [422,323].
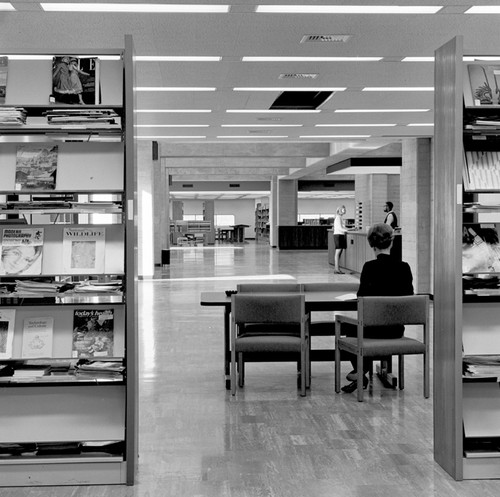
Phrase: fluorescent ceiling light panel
[174,111]
[474,58]
[134,7]
[335,136]
[398,88]
[171,126]
[6,6]
[273,111]
[174,88]
[261,125]
[267,137]
[483,9]
[354,125]
[420,124]
[310,59]
[50,57]
[347,9]
[177,58]
[347,111]
[168,137]
[417,59]
[303,88]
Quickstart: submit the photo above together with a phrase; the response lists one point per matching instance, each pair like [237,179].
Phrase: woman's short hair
[380,236]
[340,209]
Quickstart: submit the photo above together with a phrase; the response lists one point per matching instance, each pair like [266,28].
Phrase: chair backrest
[268,308]
[267,287]
[389,311]
[331,286]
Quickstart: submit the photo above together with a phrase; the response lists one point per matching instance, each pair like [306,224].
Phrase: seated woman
[384,276]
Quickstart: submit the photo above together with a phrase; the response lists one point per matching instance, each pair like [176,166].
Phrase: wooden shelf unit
[93,160]
[261,222]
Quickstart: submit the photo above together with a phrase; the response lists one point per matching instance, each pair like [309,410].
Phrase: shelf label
[130,210]
[459,194]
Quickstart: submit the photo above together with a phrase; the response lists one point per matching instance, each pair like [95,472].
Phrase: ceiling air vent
[259,131]
[234,185]
[326,38]
[301,100]
[269,119]
[187,185]
[298,75]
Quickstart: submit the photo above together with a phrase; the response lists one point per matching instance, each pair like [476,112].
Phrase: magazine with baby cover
[83,250]
[93,332]
[75,80]
[21,251]
[36,167]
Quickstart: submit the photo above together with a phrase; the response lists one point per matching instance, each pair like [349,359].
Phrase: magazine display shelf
[466,408]
[71,429]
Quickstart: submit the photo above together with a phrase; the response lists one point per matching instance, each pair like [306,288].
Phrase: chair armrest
[347,317]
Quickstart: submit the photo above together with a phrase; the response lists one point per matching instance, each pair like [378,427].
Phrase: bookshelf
[466,294]
[261,222]
[70,414]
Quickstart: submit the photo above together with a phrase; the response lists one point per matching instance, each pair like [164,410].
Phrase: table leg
[227,349]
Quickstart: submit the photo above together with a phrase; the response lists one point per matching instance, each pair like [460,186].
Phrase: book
[75,80]
[482,87]
[21,251]
[7,321]
[93,332]
[4,65]
[481,170]
[37,337]
[83,250]
[36,167]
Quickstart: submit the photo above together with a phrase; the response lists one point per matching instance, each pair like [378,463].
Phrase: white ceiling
[243,32]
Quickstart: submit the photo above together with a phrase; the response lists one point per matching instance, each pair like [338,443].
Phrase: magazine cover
[37,337]
[4,65]
[21,251]
[83,250]
[93,332]
[7,321]
[484,81]
[36,167]
[75,80]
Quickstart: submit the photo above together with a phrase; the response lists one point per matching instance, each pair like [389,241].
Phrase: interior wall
[327,206]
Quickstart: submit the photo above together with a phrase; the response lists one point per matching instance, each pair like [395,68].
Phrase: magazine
[37,337]
[75,80]
[36,167]
[483,86]
[4,65]
[480,249]
[83,250]
[21,251]
[93,332]
[7,321]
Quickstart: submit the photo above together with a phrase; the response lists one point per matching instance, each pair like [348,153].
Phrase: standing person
[384,276]
[391,219]
[339,237]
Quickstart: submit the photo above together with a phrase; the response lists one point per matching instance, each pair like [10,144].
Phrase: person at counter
[391,219]
[384,276]
[339,231]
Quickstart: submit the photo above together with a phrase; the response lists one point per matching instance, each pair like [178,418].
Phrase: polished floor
[198,441]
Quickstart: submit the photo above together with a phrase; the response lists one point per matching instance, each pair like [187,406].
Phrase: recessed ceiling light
[347,9]
[380,110]
[274,111]
[246,137]
[133,7]
[6,6]
[417,59]
[174,88]
[261,125]
[483,9]
[168,137]
[335,136]
[176,58]
[171,125]
[398,88]
[310,59]
[174,111]
[353,125]
[474,58]
[304,88]
[420,124]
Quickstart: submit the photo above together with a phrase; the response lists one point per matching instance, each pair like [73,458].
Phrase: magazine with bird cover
[36,167]
[4,66]
[84,250]
[93,332]
[7,321]
[21,251]
[482,85]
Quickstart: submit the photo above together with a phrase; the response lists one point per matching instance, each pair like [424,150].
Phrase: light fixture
[246,137]
[346,111]
[417,59]
[171,125]
[398,88]
[354,125]
[134,7]
[347,9]
[310,59]
[261,125]
[174,111]
[51,57]
[471,58]
[174,88]
[483,9]
[420,124]
[177,58]
[167,137]
[302,88]
[6,6]
[335,136]
[273,111]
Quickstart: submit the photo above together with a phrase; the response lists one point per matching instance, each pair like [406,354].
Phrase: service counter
[313,237]
[358,251]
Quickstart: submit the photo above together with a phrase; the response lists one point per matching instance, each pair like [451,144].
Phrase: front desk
[305,237]
[358,251]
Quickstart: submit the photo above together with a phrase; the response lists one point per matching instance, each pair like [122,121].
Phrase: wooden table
[315,301]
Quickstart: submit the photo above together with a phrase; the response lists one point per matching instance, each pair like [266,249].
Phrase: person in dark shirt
[384,276]
[391,219]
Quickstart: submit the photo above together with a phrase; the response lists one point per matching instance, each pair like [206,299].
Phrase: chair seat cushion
[269,328]
[379,347]
[267,343]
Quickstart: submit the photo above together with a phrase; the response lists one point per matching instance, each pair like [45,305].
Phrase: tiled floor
[196,440]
